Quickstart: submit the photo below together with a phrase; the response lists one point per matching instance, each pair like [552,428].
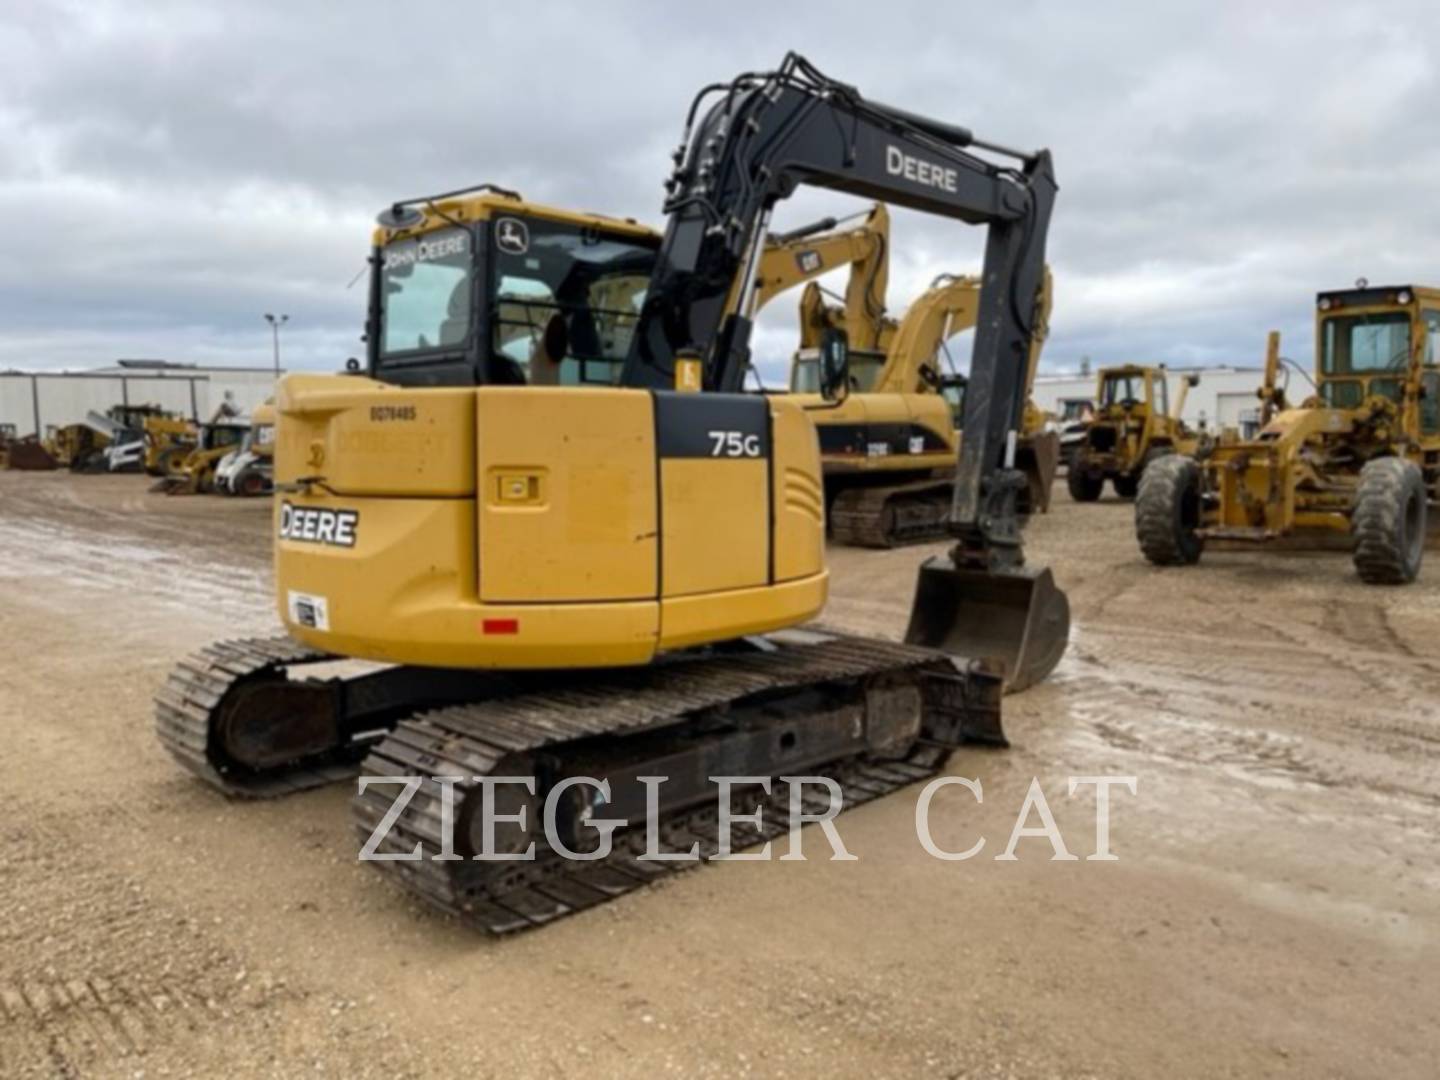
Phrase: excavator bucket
[1017,617]
[1038,457]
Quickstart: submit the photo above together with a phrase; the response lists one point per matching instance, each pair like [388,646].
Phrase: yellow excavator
[564,581]
[889,449]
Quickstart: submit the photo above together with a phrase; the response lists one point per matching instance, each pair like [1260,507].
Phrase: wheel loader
[1360,456]
[1133,426]
[604,570]
[889,448]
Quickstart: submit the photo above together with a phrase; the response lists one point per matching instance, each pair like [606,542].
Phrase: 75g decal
[734,444]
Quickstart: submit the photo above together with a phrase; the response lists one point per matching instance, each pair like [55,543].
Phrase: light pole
[276,321]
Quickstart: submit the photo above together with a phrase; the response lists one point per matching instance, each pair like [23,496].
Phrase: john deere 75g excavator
[572,580]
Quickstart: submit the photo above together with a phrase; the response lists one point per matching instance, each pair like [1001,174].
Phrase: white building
[36,400]
[1224,397]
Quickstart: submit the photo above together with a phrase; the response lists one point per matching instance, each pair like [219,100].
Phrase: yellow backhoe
[1360,456]
[1134,425]
[573,583]
[194,472]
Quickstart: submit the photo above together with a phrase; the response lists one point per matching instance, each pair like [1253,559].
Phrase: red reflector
[500,626]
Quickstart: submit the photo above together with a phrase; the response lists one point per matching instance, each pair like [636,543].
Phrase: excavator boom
[767,135]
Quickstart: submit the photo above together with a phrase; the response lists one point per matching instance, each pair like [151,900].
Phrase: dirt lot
[1273,910]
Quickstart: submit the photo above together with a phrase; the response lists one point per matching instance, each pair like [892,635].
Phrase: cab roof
[487,205]
[1374,295]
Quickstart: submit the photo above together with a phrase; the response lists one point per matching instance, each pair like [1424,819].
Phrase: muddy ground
[1273,911]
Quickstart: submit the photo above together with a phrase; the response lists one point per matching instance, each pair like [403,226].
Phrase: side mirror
[834,365]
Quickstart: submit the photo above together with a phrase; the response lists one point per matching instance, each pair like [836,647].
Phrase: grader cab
[1361,455]
[1133,426]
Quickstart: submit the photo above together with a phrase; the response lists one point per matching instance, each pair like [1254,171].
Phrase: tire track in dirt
[101,968]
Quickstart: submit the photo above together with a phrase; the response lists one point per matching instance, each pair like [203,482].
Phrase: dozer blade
[1017,617]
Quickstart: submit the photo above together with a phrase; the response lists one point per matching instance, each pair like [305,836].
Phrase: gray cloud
[170,172]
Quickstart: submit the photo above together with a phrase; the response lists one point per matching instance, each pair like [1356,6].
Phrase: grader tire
[1388,522]
[1083,487]
[1167,511]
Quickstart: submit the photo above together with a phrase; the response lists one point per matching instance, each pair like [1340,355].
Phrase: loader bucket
[1017,617]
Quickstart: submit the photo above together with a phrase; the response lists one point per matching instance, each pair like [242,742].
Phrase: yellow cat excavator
[602,576]
[889,448]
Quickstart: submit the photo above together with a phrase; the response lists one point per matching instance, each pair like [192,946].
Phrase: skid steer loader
[248,470]
[889,448]
[1133,426]
[1360,456]
[601,571]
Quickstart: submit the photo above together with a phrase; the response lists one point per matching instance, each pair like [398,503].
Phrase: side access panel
[715,491]
[567,495]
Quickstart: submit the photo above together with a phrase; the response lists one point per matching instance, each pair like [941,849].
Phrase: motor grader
[1361,455]
[1133,426]
[561,580]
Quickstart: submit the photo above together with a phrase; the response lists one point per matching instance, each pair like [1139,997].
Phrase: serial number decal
[734,444]
[381,413]
[315,525]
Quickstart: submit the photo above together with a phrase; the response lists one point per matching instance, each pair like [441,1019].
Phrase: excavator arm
[947,308]
[800,256]
[766,135]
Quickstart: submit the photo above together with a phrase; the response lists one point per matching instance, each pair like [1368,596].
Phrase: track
[891,515]
[186,713]
[490,738]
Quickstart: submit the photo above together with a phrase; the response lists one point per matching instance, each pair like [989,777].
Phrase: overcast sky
[170,173]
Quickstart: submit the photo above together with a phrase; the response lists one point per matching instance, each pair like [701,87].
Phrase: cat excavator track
[872,716]
[891,515]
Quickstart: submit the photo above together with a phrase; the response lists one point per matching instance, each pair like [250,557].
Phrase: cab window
[571,288]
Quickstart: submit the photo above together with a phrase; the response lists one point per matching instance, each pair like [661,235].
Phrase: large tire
[1167,511]
[250,483]
[171,461]
[1083,486]
[1388,522]
[1127,487]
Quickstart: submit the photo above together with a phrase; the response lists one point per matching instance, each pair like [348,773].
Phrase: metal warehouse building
[1224,397]
[36,400]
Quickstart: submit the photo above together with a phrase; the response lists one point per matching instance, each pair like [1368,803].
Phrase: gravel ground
[1273,910]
